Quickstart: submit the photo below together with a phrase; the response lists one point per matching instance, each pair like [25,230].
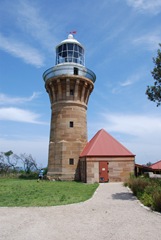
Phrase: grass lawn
[17,192]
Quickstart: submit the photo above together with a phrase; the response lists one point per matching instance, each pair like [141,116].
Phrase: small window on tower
[75,71]
[71,161]
[71,124]
[71,92]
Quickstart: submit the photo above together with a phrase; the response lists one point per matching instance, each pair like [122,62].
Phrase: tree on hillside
[8,161]
[148,164]
[29,163]
[154,92]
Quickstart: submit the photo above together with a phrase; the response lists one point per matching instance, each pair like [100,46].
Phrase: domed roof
[70,39]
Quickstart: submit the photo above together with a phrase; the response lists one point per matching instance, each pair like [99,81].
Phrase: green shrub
[147,190]
[147,199]
[126,184]
[138,186]
[32,175]
[157,200]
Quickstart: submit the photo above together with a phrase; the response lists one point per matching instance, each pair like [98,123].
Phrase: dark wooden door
[103,172]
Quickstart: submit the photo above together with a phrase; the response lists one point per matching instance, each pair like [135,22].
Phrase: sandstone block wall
[68,129]
[92,172]
[66,142]
[119,168]
[120,171]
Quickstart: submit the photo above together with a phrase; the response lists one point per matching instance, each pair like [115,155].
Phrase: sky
[120,37]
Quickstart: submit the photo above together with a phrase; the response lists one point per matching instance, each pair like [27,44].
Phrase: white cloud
[19,115]
[30,19]
[139,133]
[5,99]
[21,50]
[130,80]
[145,152]
[126,83]
[152,6]
[139,126]
[148,41]
[135,77]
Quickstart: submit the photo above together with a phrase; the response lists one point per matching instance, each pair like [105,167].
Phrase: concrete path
[113,213]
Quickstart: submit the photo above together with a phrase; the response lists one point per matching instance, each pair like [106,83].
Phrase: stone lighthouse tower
[69,84]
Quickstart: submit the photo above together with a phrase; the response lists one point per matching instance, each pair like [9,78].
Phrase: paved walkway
[113,214]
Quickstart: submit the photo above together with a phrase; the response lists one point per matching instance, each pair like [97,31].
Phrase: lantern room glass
[70,52]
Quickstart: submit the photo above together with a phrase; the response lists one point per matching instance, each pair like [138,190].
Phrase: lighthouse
[69,84]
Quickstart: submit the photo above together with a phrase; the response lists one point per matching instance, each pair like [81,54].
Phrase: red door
[103,172]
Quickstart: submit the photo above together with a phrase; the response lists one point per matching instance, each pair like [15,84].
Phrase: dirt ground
[113,213]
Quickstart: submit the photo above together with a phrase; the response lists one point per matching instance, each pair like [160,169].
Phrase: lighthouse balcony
[69,69]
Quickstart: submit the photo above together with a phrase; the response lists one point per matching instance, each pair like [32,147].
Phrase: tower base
[63,177]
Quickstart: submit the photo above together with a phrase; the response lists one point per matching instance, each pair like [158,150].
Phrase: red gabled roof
[156,165]
[103,144]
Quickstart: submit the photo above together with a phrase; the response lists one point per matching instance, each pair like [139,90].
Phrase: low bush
[138,186]
[147,199]
[147,190]
[32,175]
[157,201]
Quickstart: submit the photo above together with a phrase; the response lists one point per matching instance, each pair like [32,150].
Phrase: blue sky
[120,38]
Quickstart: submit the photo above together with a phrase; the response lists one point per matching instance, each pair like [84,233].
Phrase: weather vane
[72,32]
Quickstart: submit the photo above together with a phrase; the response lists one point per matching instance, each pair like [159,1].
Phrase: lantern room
[70,51]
